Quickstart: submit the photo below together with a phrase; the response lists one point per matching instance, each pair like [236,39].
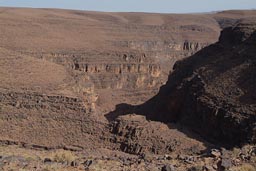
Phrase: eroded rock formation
[213,91]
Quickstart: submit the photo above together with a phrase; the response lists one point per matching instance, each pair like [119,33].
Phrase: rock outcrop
[213,91]
[136,136]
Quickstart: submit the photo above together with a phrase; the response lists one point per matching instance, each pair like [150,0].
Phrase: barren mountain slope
[61,71]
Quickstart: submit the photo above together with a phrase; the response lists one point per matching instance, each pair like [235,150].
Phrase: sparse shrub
[49,168]
[196,168]
[253,159]
[245,167]
[63,156]
[236,152]
[46,169]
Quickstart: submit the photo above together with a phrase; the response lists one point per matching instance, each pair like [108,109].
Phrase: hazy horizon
[156,6]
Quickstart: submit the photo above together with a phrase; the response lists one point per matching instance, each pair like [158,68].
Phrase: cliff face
[213,91]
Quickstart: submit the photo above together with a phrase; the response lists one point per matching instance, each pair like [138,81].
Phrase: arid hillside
[62,71]
[89,82]
[131,53]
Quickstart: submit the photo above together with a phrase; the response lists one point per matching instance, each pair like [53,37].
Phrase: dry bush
[245,167]
[63,156]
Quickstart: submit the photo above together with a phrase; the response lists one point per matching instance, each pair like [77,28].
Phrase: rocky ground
[18,158]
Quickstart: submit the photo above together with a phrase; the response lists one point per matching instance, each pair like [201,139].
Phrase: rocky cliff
[213,91]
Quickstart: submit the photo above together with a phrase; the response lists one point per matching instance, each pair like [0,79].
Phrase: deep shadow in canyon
[211,92]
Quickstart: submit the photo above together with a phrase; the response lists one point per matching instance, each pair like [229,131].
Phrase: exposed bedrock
[136,135]
[213,91]
[188,46]
[127,70]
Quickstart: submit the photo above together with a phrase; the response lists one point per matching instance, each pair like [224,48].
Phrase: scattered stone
[142,156]
[236,162]
[161,158]
[253,151]
[167,157]
[74,164]
[209,168]
[215,153]
[196,168]
[168,168]
[146,157]
[226,163]
[126,163]
[194,150]
[139,161]
[187,159]
[87,163]
[245,157]
[47,160]
[215,166]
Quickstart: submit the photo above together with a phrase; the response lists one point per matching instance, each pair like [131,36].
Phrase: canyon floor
[86,90]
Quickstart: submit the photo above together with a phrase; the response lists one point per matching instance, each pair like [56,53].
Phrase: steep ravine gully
[67,76]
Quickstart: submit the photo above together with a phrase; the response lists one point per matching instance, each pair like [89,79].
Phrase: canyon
[135,84]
